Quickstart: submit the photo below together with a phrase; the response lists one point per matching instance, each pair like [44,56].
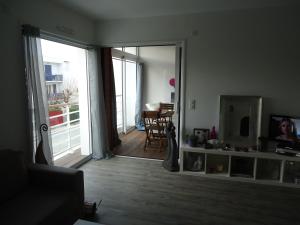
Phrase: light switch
[193,104]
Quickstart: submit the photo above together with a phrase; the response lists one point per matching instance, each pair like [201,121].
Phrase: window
[117,63]
[131,50]
[130,89]
[125,83]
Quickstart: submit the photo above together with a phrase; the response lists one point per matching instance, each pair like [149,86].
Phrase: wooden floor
[133,145]
[70,159]
[141,192]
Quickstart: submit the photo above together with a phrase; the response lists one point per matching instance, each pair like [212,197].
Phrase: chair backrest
[166,110]
[166,107]
[150,118]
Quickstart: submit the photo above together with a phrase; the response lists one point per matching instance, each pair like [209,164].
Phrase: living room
[245,49]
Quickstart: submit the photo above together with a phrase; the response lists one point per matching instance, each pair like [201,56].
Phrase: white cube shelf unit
[254,166]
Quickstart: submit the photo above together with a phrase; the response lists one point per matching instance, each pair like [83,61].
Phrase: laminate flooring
[141,192]
[133,145]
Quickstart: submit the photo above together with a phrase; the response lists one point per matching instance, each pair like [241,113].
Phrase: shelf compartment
[194,162]
[268,169]
[217,164]
[291,172]
[242,167]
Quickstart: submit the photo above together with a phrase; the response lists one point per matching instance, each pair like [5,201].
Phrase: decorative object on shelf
[214,142]
[213,133]
[208,146]
[227,147]
[220,168]
[194,162]
[193,140]
[39,153]
[197,166]
[171,161]
[240,120]
[202,134]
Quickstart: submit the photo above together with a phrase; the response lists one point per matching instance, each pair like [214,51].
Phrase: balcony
[57,78]
[65,131]
[55,96]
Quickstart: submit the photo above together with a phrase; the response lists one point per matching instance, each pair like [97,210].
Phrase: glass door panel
[117,64]
[130,89]
[131,50]
[67,92]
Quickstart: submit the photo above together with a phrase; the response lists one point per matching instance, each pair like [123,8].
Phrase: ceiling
[117,9]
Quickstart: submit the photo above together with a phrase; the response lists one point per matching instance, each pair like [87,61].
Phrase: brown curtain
[109,97]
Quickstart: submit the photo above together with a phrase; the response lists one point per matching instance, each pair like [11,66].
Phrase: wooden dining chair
[164,107]
[155,135]
[166,113]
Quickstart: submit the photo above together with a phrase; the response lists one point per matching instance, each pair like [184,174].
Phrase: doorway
[68,106]
[160,74]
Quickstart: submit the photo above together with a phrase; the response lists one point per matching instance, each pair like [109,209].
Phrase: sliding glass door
[67,94]
[125,83]
[118,73]
[130,93]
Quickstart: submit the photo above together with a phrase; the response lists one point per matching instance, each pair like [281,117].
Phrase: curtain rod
[144,43]
[65,40]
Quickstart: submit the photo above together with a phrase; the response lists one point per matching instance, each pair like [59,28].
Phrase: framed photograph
[202,134]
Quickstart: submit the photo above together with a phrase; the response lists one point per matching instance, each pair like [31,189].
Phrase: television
[286,131]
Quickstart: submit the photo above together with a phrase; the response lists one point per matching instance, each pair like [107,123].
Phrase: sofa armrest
[59,178]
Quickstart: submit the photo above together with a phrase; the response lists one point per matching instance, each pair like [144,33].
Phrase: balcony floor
[70,159]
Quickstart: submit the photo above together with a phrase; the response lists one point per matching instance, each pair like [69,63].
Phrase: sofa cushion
[40,206]
[13,174]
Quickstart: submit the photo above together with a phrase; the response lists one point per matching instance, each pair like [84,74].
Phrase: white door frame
[177,43]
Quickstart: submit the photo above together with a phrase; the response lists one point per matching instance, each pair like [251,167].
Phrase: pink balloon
[172,82]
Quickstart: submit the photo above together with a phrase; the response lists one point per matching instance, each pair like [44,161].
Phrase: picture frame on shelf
[202,134]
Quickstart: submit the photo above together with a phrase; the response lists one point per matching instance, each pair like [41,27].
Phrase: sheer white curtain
[36,92]
[100,148]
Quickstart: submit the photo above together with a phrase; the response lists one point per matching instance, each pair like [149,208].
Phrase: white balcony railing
[66,134]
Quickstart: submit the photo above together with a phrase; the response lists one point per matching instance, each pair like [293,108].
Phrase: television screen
[285,128]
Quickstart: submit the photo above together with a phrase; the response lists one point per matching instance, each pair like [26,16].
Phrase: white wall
[246,52]
[46,15]
[159,68]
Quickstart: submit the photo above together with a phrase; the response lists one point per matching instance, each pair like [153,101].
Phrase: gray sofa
[38,194]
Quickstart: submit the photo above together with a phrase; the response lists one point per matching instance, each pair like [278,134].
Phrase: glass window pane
[67,95]
[130,93]
[131,50]
[117,64]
